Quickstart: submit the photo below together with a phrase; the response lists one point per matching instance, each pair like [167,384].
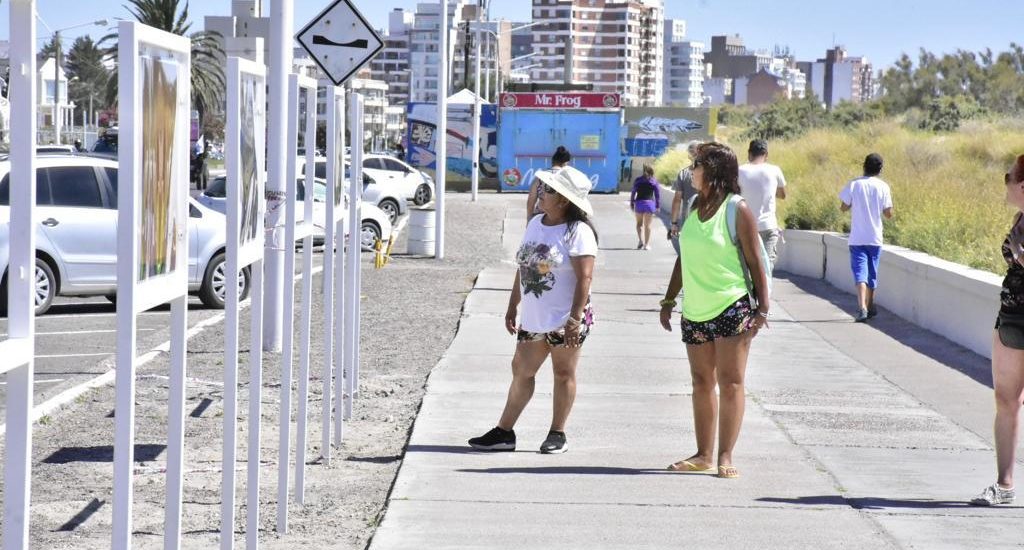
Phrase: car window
[217,188]
[300,190]
[194,212]
[373,163]
[75,186]
[320,170]
[112,177]
[393,165]
[42,189]
[319,192]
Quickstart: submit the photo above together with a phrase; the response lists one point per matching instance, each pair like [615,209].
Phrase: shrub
[946,113]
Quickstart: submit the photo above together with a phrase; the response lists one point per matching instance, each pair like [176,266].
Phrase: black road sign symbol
[322,40]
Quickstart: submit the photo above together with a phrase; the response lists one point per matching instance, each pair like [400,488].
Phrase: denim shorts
[864,264]
[733,321]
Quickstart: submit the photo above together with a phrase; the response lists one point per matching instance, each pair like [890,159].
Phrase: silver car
[76,239]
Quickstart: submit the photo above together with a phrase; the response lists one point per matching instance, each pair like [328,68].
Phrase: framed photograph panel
[245,158]
[303,186]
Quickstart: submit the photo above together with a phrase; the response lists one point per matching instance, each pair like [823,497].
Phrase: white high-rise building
[424,38]
[616,45]
[392,63]
[683,79]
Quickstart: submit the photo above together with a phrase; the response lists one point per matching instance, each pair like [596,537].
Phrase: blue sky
[878,29]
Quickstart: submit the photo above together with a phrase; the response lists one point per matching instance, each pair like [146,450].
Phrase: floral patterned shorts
[735,320]
[557,337]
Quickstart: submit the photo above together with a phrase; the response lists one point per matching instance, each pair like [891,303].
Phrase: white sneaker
[993,495]
[648,247]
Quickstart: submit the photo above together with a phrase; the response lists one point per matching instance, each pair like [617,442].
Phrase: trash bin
[421,231]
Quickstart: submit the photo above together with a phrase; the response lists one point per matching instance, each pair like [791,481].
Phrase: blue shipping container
[528,138]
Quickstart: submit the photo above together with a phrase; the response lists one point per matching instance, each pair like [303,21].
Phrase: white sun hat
[571,184]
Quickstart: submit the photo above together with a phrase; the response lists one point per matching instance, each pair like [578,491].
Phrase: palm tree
[208,82]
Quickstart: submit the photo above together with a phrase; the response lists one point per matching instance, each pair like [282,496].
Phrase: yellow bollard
[378,258]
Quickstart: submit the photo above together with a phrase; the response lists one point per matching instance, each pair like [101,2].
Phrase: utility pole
[282,12]
[476,150]
[466,44]
[441,135]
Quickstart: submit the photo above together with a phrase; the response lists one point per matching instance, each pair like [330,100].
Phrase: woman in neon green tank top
[719,319]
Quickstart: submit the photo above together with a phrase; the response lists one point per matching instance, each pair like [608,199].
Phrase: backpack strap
[730,217]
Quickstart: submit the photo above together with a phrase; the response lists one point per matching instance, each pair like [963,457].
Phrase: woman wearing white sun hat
[552,283]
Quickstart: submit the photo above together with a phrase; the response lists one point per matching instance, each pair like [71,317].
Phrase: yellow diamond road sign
[340,41]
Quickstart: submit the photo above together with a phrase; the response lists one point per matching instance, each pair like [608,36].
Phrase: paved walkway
[855,436]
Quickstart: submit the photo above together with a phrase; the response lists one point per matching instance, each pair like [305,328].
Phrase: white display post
[352,279]
[441,135]
[18,349]
[246,208]
[152,245]
[298,226]
[334,270]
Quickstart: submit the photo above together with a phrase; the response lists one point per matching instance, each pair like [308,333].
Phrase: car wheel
[213,290]
[390,208]
[369,234]
[46,286]
[422,195]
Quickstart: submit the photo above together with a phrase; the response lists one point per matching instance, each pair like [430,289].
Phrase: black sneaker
[872,312]
[554,444]
[495,440]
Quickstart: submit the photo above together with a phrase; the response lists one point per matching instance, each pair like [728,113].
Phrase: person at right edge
[1008,348]
[721,315]
[868,199]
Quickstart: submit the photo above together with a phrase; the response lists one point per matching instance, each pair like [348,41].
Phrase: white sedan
[376,224]
[76,239]
[396,175]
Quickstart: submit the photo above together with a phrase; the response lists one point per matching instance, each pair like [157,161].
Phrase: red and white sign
[560,100]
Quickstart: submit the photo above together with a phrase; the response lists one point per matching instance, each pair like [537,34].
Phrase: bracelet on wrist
[762,313]
[667,302]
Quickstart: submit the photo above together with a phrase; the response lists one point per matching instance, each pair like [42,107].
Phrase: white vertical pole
[21,278]
[176,425]
[284,431]
[441,136]
[130,117]
[487,69]
[476,149]
[352,290]
[328,274]
[230,419]
[282,12]
[305,322]
[339,290]
[252,520]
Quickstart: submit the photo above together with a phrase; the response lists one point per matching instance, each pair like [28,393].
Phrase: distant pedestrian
[761,183]
[1008,348]
[683,187]
[560,159]
[645,201]
[78,146]
[868,199]
[556,264]
[721,315]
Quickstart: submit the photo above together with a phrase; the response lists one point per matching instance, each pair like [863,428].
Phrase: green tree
[787,118]
[208,82]
[48,50]
[86,74]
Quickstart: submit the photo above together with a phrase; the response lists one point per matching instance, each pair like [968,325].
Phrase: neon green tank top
[712,274]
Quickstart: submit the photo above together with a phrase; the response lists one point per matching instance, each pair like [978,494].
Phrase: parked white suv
[399,177]
[76,239]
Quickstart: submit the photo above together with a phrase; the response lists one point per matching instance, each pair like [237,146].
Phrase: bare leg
[563,361]
[705,402]
[862,295]
[647,228]
[731,354]
[639,227]
[527,360]
[869,299]
[1008,380]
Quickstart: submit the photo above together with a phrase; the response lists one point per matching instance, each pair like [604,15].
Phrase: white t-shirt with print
[868,198]
[547,281]
[758,183]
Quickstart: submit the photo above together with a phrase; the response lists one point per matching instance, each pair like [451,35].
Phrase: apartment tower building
[838,77]
[684,67]
[391,65]
[615,45]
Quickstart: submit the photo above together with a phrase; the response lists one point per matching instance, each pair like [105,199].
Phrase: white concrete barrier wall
[952,300]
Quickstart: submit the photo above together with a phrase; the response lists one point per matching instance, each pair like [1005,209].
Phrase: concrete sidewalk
[855,436]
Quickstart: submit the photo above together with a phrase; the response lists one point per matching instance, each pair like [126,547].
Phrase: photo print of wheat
[250,188]
[159,226]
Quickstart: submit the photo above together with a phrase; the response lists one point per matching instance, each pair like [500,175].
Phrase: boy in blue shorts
[868,199]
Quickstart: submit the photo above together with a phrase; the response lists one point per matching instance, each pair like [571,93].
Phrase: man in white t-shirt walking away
[868,199]
[760,184]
